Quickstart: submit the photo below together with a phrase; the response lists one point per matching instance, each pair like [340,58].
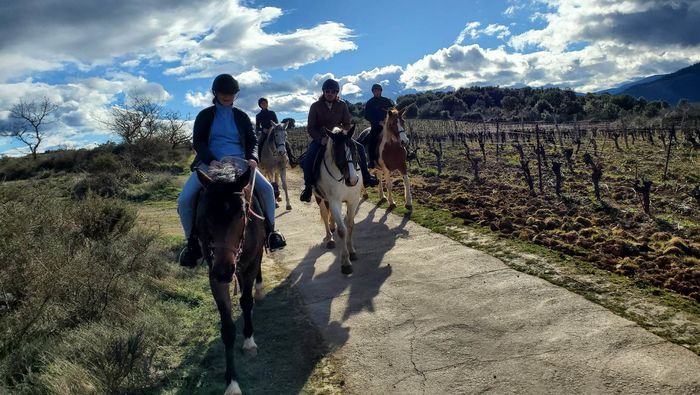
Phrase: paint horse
[273,157]
[392,156]
[339,182]
[232,237]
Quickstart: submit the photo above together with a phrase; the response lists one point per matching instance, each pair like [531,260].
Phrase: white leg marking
[233,389]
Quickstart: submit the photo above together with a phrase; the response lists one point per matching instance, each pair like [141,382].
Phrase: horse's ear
[351,130]
[242,181]
[401,112]
[204,179]
[274,125]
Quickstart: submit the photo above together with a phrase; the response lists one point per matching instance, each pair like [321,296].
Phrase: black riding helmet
[226,84]
[260,101]
[376,86]
[331,84]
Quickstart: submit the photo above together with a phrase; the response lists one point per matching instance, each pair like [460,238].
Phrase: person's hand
[252,164]
[324,140]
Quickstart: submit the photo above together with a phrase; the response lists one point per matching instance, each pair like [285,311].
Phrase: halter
[273,136]
[342,176]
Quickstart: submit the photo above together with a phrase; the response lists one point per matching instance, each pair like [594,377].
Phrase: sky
[88,56]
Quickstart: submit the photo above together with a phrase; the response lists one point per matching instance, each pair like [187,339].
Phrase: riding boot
[367,179]
[290,154]
[273,239]
[191,253]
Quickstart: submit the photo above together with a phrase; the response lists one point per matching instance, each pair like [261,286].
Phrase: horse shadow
[290,349]
[373,239]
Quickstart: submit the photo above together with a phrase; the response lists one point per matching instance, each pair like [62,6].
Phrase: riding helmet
[260,101]
[376,86]
[226,84]
[331,84]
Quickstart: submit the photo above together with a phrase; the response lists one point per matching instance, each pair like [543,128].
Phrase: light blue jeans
[188,197]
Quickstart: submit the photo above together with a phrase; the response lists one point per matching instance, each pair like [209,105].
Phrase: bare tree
[172,129]
[30,118]
[138,120]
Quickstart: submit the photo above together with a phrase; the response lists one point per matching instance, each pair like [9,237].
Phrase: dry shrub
[65,265]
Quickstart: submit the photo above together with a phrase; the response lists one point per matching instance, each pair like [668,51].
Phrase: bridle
[347,161]
[238,251]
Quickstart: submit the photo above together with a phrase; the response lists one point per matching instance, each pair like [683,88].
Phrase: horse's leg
[283,175]
[335,207]
[407,192]
[220,291]
[350,223]
[259,286]
[382,181]
[247,280]
[387,180]
[325,217]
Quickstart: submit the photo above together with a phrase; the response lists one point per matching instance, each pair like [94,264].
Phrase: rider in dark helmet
[219,131]
[375,113]
[263,125]
[326,113]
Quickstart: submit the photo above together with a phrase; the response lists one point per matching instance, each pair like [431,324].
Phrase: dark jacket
[321,117]
[264,120]
[375,109]
[202,130]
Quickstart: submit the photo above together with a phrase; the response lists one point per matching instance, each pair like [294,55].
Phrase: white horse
[273,157]
[339,182]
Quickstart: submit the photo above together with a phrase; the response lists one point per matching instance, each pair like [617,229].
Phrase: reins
[237,252]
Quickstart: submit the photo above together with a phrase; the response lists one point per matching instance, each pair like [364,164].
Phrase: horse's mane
[224,172]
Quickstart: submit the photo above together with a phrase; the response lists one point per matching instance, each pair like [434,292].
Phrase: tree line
[530,105]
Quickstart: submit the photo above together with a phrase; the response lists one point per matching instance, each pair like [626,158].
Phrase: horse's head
[278,136]
[224,215]
[344,153]
[395,124]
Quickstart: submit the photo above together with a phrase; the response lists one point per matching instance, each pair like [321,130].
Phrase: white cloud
[83,105]
[202,39]
[470,29]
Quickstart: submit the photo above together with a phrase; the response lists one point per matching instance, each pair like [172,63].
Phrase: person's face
[225,99]
[330,94]
[263,105]
[377,92]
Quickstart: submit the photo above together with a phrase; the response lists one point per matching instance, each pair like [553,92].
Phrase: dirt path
[425,314]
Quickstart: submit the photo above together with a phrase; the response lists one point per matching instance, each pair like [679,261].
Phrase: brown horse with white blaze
[392,157]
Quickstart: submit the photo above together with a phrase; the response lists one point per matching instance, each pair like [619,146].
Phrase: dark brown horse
[232,237]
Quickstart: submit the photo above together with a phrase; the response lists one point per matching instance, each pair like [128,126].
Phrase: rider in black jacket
[375,113]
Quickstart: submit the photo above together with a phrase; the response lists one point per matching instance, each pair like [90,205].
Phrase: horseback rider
[326,113]
[223,130]
[263,125]
[375,113]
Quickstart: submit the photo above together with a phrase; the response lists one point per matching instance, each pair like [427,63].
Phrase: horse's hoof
[249,347]
[330,244]
[259,292]
[289,207]
[346,269]
[365,196]
[278,198]
[392,206]
[353,256]
[409,207]
[382,200]
[233,389]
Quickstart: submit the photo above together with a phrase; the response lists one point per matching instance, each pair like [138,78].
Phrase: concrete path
[423,314]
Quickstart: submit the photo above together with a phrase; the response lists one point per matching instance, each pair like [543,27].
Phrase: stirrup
[275,241]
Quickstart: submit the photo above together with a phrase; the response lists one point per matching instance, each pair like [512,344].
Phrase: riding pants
[188,198]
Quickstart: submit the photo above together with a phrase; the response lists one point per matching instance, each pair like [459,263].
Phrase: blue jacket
[202,130]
